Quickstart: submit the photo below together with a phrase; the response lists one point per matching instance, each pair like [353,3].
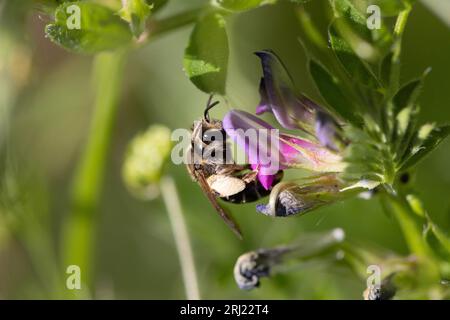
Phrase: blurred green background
[46,99]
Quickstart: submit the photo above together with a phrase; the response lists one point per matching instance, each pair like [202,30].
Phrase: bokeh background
[46,99]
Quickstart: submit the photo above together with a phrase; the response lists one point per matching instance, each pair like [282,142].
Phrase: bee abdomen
[253,192]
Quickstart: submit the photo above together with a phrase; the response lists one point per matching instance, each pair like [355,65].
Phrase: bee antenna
[209,106]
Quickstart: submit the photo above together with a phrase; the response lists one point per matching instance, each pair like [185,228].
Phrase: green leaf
[346,9]
[363,155]
[135,12]
[404,132]
[407,95]
[438,241]
[157,4]
[242,5]
[386,69]
[351,63]
[328,87]
[97,29]
[429,139]
[300,1]
[404,111]
[389,8]
[206,57]
[351,25]
[390,69]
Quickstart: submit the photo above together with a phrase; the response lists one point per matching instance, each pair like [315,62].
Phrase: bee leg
[230,170]
[250,177]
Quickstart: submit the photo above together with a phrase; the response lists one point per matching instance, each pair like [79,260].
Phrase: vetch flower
[292,198]
[294,110]
[269,151]
[251,266]
[319,146]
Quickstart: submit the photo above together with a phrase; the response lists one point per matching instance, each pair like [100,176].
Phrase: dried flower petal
[290,198]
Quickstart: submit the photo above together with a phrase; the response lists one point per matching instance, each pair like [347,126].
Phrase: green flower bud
[145,159]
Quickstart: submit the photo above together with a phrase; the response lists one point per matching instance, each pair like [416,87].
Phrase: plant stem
[159,27]
[181,237]
[402,19]
[87,184]
[176,21]
[412,231]
[86,189]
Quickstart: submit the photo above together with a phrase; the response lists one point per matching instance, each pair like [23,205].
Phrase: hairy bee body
[230,182]
[209,164]
[252,192]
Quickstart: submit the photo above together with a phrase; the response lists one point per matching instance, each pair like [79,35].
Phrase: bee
[209,164]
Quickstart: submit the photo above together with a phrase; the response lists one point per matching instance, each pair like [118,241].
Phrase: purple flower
[269,151]
[292,109]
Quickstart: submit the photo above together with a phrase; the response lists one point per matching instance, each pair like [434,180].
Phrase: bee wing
[221,211]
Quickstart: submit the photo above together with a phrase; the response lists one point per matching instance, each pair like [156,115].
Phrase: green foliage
[407,95]
[100,28]
[206,57]
[347,10]
[242,5]
[364,157]
[300,1]
[392,142]
[387,73]
[353,65]
[378,121]
[389,8]
[328,87]
[136,12]
[425,141]
[157,4]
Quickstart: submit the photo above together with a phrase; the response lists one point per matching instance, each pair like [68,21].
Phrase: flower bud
[265,262]
[290,198]
[145,159]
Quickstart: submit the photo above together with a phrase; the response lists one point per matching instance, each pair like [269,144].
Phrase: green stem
[176,21]
[87,185]
[411,228]
[78,241]
[157,28]
[402,19]
[417,206]
[181,237]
